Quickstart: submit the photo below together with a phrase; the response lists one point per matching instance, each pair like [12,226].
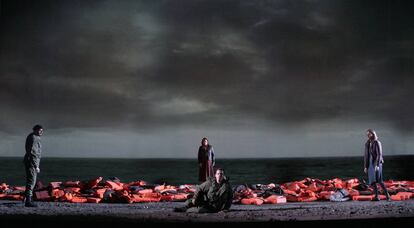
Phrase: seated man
[214,195]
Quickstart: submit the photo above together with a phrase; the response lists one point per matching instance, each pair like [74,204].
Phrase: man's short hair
[219,169]
[37,127]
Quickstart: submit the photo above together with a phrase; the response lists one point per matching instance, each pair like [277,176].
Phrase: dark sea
[185,171]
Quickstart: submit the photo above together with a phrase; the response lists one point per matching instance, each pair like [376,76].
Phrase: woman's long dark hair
[202,142]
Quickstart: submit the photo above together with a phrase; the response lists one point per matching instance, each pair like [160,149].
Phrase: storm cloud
[228,67]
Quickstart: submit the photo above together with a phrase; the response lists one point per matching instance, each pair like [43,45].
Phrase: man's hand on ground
[223,211]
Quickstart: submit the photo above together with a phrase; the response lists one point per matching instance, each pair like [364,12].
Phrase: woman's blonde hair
[373,133]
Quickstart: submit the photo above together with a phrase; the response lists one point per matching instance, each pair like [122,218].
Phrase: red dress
[207,161]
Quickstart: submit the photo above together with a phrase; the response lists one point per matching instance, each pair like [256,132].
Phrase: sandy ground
[396,212]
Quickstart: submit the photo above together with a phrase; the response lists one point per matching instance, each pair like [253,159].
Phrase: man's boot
[180,209]
[29,202]
[188,204]
[385,191]
[376,198]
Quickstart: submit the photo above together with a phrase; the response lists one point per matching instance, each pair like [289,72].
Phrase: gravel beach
[358,212]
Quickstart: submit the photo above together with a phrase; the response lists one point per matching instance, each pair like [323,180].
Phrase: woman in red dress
[206,160]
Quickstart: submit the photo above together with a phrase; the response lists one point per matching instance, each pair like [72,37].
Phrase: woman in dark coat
[373,161]
[206,160]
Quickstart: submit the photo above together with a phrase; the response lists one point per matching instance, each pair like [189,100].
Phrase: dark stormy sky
[258,78]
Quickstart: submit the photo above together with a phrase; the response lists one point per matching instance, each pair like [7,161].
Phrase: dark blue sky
[259,78]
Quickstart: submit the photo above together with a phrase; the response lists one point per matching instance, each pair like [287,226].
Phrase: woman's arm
[213,157]
[378,152]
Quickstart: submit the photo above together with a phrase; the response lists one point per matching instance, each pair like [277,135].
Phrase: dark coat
[373,150]
[206,158]
[33,151]
[217,196]
[373,157]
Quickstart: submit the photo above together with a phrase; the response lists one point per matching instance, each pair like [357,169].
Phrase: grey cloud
[138,64]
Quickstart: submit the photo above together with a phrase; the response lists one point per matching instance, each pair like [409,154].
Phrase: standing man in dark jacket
[373,161]
[213,195]
[32,162]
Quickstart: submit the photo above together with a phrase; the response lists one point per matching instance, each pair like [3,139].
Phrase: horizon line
[222,158]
